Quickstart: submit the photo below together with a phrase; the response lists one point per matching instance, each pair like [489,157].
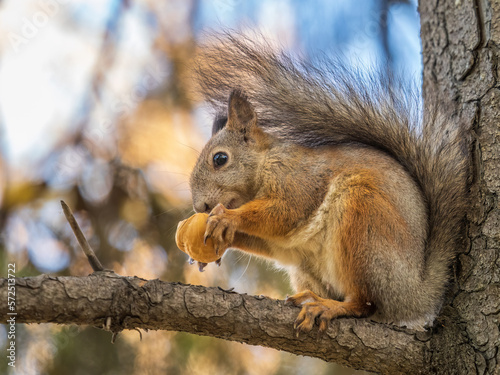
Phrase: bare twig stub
[93,260]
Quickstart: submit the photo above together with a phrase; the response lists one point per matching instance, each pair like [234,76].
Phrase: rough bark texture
[461,40]
[114,302]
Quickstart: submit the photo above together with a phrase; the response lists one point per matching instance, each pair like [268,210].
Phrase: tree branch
[114,302]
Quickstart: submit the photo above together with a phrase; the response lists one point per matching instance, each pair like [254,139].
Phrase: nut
[189,238]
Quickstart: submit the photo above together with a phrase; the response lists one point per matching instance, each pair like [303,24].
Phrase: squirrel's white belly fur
[315,239]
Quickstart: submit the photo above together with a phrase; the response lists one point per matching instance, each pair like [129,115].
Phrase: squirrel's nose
[201,207]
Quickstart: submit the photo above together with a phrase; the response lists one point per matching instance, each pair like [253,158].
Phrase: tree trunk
[461,40]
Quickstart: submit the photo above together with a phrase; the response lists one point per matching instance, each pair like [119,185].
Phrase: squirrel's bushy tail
[327,103]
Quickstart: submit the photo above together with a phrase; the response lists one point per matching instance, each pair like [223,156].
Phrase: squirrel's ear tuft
[241,114]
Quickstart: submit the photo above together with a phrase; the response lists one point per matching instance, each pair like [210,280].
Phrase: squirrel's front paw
[221,228]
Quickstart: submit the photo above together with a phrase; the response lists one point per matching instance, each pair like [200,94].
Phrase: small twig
[140,333]
[92,258]
[107,325]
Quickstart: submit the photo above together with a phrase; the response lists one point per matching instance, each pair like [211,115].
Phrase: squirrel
[326,172]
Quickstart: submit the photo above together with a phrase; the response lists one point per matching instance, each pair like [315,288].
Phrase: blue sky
[44,77]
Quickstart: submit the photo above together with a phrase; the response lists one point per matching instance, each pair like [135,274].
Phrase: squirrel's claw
[290,301]
[324,322]
[191,261]
[201,266]
[313,307]
[218,262]
[324,310]
[218,210]
[221,227]
[305,320]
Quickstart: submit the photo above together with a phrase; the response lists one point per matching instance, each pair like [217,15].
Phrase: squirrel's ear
[241,114]
[242,117]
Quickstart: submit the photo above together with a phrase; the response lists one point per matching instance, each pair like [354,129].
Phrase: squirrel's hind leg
[325,310]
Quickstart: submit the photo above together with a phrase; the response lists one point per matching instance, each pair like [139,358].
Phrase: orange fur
[365,208]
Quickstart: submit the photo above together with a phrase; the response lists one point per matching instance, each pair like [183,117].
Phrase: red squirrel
[325,172]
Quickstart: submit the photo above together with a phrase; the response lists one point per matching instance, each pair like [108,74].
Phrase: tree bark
[113,302]
[460,41]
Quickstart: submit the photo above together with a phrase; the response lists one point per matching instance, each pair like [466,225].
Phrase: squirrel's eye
[220,159]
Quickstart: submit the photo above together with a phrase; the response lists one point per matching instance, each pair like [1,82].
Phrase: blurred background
[96,110]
